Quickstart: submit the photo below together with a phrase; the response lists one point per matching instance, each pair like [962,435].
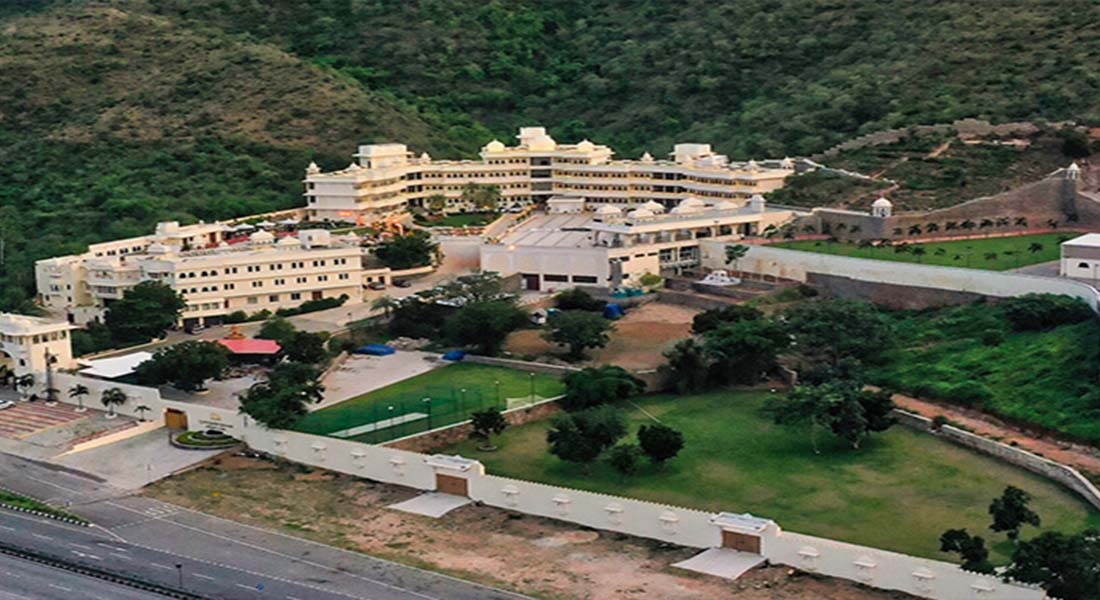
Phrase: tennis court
[439,397]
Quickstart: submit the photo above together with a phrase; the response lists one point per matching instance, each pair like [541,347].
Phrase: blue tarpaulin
[375,350]
[455,355]
[612,311]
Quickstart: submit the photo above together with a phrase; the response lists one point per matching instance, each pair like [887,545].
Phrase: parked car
[195,329]
[6,404]
[376,285]
[402,283]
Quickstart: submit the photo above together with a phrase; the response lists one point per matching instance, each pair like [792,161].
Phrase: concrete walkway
[137,461]
[721,562]
[432,504]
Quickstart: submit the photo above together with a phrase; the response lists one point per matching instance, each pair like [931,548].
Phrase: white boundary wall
[682,526]
[796,264]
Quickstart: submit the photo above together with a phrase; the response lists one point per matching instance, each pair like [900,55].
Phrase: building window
[253,300]
[584,279]
[295,296]
[556,278]
[273,298]
[1083,265]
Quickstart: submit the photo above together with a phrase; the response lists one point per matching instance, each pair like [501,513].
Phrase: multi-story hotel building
[27,344]
[214,270]
[385,179]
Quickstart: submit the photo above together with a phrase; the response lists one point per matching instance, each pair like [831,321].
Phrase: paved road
[219,558]
[26,580]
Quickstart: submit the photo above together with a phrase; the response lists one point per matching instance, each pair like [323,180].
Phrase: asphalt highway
[25,580]
[147,539]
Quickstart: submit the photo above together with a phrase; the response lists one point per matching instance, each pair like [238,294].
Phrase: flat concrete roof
[1091,240]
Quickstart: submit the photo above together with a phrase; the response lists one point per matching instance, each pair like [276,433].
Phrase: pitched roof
[251,346]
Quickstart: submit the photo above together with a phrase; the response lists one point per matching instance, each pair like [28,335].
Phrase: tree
[79,391]
[1035,247]
[186,365]
[581,437]
[660,442]
[144,312]
[919,252]
[487,423]
[735,253]
[841,406]
[711,319]
[484,325]
[1010,512]
[971,549]
[914,230]
[480,196]
[579,331]
[1067,566]
[740,352]
[306,347]
[1038,312]
[1075,142]
[625,459]
[414,249]
[281,401]
[141,409]
[437,203]
[384,303]
[578,299]
[688,366]
[277,328]
[595,386]
[834,329]
[112,397]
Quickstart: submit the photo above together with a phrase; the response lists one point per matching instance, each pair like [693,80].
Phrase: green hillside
[116,113]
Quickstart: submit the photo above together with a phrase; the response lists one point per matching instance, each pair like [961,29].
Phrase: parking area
[25,419]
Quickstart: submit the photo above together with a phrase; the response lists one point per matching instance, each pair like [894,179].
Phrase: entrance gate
[741,541]
[449,484]
[175,419]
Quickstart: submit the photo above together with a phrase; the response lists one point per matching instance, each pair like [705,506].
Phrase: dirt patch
[540,557]
[638,342]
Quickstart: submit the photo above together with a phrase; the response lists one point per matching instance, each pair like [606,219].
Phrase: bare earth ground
[1080,457]
[536,556]
[638,342]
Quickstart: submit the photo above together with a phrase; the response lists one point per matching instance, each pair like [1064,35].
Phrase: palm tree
[901,248]
[1021,221]
[932,227]
[854,229]
[897,231]
[991,256]
[967,225]
[940,251]
[1035,247]
[1052,223]
[78,391]
[770,231]
[25,382]
[919,252]
[951,226]
[1003,221]
[914,230]
[141,409]
[735,253]
[384,303]
[113,397]
[985,223]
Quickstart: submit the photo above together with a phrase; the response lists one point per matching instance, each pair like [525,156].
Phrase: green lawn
[900,492]
[1011,252]
[455,391]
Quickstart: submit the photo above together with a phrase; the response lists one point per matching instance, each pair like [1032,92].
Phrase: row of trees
[1067,566]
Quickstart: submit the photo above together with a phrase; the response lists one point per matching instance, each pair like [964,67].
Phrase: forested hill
[116,113]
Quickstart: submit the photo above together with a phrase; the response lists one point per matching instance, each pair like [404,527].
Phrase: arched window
[1083,265]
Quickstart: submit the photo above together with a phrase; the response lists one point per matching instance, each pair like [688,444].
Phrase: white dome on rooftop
[655,207]
[639,213]
[156,248]
[313,169]
[288,242]
[647,157]
[882,203]
[494,146]
[691,203]
[585,146]
[608,209]
[261,237]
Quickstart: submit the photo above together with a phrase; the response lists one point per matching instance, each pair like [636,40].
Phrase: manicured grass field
[994,254]
[455,391]
[900,492]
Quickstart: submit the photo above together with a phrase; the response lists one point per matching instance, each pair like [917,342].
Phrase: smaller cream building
[612,247]
[1081,257]
[26,342]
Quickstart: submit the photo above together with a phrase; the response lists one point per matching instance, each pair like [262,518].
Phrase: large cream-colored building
[611,247]
[26,343]
[385,179]
[214,268]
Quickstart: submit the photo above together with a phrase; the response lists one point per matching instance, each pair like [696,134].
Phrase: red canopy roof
[251,346]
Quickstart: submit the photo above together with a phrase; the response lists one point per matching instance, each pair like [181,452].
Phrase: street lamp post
[532,388]
[428,407]
[179,571]
[497,383]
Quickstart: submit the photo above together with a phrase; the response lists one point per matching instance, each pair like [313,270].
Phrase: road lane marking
[6,528]
[121,556]
[247,587]
[41,536]
[60,587]
[81,546]
[160,566]
[201,576]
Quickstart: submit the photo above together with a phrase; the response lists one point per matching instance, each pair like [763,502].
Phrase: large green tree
[1067,566]
[578,331]
[414,249]
[581,437]
[842,407]
[186,365]
[484,325]
[145,311]
[1011,511]
[742,351]
[831,330]
[595,386]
